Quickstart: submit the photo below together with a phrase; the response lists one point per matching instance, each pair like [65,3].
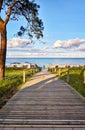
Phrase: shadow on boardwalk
[44,101]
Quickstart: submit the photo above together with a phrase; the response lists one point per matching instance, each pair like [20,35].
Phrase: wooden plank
[45,101]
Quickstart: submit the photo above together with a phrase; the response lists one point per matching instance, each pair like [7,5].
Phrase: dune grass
[76,77]
[12,81]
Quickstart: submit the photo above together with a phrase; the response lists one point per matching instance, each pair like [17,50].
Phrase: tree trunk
[3,44]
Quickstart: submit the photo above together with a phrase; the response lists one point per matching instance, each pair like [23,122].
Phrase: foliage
[28,10]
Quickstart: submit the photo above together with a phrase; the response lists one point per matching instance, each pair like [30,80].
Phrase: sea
[44,61]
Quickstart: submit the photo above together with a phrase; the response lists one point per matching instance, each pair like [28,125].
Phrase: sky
[64,32]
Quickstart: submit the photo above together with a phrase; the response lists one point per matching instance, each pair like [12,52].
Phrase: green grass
[76,78]
[12,81]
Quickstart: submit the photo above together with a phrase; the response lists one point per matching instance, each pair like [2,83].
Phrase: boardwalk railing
[74,76]
[61,72]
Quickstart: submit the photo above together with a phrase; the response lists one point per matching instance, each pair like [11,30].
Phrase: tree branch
[9,12]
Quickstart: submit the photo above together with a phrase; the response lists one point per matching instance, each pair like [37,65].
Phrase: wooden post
[23,76]
[84,76]
[55,69]
[59,72]
[32,71]
[68,76]
[36,70]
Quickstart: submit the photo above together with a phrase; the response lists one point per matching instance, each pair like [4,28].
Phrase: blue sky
[64,31]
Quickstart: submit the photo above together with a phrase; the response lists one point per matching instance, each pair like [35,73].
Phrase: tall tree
[14,9]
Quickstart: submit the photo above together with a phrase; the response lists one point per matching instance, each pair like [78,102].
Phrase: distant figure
[43,66]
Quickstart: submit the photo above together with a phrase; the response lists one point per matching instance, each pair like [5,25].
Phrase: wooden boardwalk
[44,102]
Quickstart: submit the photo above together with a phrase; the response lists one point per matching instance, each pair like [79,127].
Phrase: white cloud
[69,43]
[73,43]
[58,44]
[81,48]
[24,53]
[19,48]
[18,42]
